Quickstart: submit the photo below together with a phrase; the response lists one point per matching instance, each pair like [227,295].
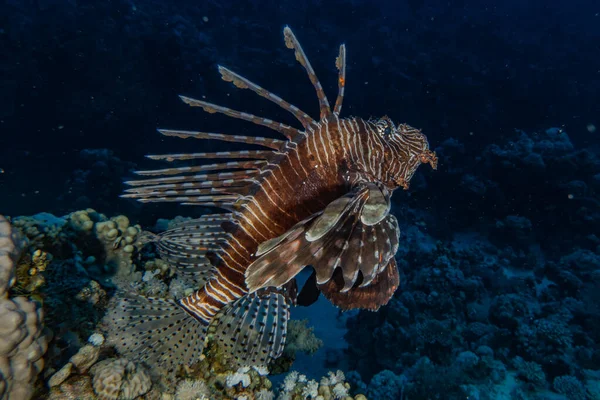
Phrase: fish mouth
[401,182]
[429,157]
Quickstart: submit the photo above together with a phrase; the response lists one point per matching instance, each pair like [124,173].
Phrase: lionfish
[320,198]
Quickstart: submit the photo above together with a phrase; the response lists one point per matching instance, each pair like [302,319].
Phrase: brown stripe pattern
[268,191]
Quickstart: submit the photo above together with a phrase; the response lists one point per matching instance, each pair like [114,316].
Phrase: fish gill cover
[483,276]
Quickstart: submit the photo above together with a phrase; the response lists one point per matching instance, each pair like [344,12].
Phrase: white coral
[340,391]
[96,339]
[265,394]
[336,377]
[192,390]
[289,383]
[262,370]
[311,390]
[237,378]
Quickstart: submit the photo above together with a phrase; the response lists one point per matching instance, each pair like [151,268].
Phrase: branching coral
[189,389]
[571,387]
[330,387]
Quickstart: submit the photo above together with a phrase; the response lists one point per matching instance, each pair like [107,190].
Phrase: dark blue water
[500,251]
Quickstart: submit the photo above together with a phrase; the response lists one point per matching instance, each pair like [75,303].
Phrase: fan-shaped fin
[186,245]
[221,189]
[252,330]
[156,331]
[370,297]
[335,238]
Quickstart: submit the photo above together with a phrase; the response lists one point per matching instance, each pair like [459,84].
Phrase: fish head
[405,148]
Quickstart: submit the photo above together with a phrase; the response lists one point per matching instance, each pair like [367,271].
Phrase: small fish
[320,197]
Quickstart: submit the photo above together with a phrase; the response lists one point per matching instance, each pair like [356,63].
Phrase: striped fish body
[298,183]
[321,198]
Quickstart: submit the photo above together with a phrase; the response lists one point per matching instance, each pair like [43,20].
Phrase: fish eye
[385,127]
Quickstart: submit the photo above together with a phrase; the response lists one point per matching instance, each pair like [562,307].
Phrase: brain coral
[119,379]
[22,343]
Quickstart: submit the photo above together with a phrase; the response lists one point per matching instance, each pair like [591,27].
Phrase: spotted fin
[370,297]
[243,83]
[252,330]
[340,64]
[354,233]
[187,245]
[292,43]
[155,331]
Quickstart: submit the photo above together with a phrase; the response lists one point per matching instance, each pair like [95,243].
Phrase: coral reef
[79,259]
[119,379]
[189,389]
[333,386]
[499,295]
[22,339]
[81,362]
[506,313]
[506,306]
[95,180]
[85,257]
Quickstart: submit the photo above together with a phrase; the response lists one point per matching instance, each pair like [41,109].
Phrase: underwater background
[499,255]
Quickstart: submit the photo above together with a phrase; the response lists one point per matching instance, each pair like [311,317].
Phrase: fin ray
[223,176]
[274,144]
[337,238]
[206,167]
[292,43]
[378,293]
[258,154]
[252,330]
[286,130]
[145,328]
[187,244]
[243,83]
[340,63]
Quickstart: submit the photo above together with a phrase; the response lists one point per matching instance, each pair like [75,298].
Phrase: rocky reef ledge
[58,276]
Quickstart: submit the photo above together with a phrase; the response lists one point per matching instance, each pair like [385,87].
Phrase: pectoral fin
[354,233]
[370,297]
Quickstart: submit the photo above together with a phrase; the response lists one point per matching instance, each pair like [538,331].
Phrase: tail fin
[155,331]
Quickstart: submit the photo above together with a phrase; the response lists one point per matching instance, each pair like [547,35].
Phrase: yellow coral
[81,221]
[29,269]
[39,261]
